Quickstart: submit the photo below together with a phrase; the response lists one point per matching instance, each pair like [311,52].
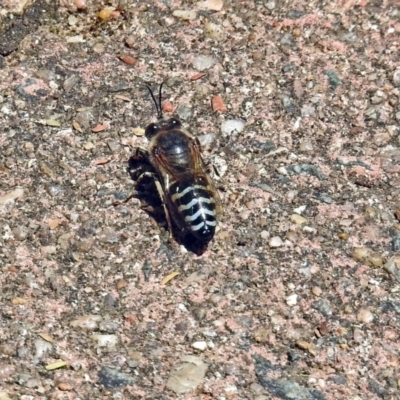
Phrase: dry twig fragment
[197,76]
[55,365]
[169,277]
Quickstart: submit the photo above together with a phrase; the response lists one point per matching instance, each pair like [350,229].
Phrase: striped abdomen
[195,205]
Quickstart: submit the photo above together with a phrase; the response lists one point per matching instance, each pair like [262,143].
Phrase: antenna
[158,104]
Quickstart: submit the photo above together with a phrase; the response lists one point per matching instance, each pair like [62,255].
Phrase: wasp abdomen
[196,207]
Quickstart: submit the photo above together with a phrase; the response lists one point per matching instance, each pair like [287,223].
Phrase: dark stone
[377,388]
[112,378]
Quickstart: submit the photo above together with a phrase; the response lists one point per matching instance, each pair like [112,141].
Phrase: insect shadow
[142,173]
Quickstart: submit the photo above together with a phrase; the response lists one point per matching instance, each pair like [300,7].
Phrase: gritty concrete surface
[298,295]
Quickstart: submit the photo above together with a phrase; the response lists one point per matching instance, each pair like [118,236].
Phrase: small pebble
[87,322]
[275,241]
[75,39]
[230,389]
[370,212]
[316,291]
[199,346]
[270,4]
[187,375]
[127,59]
[214,31]
[302,344]
[212,5]
[306,146]
[109,341]
[291,300]
[42,348]
[20,233]
[72,20]
[167,106]
[218,104]
[184,112]
[138,131]
[99,48]
[298,219]
[202,63]
[130,41]
[261,335]
[396,77]
[374,260]
[343,235]
[64,387]
[232,127]
[365,316]
[366,255]
[105,13]
[80,4]
[185,15]
[360,253]
[358,335]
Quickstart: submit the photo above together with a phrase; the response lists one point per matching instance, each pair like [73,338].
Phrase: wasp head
[162,125]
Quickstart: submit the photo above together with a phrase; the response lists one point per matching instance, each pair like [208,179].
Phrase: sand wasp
[189,197]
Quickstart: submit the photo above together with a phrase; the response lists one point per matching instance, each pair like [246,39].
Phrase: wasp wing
[194,171]
[201,170]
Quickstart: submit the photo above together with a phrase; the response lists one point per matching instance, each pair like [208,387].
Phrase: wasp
[190,199]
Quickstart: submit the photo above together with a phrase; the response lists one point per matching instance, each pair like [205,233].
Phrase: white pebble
[231,389]
[300,210]
[291,300]
[75,39]
[72,20]
[282,170]
[109,341]
[214,5]
[199,345]
[42,348]
[275,241]
[297,219]
[396,77]
[232,127]
[185,15]
[221,165]
[214,31]
[321,383]
[270,5]
[89,322]
[306,145]
[365,316]
[201,63]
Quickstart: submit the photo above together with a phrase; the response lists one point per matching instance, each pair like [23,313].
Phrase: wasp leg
[136,193]
[141,153]
[167,216]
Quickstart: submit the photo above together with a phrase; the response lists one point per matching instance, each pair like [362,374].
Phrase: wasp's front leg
[142,174]
[141,153]
[161,193]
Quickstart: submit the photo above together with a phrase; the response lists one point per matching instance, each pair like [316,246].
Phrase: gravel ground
[297,296]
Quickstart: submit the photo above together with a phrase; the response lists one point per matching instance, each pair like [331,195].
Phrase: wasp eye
[151,131]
